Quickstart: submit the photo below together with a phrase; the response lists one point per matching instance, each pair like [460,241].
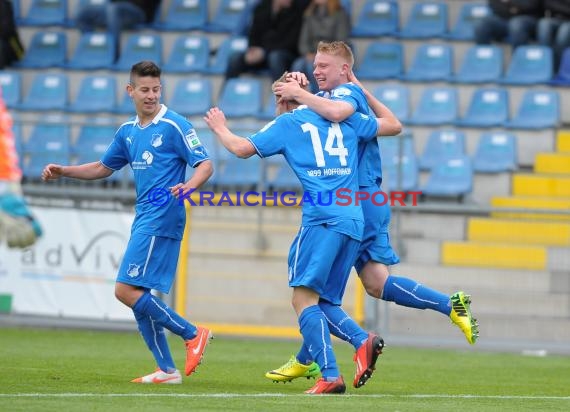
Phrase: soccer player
[341,95]
[323,156]
[158,144]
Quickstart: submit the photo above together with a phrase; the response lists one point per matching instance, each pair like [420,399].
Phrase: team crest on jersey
[156,140]
[341,92]
[192,139]
[133,270]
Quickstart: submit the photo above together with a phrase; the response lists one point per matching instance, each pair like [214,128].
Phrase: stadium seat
[17,7]
[381,61]
[400,173]
[425,20]
[239,173]
[538,109]
[183,15]
[97,93]
[396,97]
[284,178]
[227,16]
[437,105]
[496,152]
[189,54]
[377,18]
[442,144]
[11,85]
[390,145]
[431,62]
[191,96]
[92,141]
[140,47]
[269,107]
[480,64]
[241,97]
[228,46]
[469,13]
[47,48]
[124,105]
[453,177]
[562,76]
[529,65]
[46,13]
[94,51]
[47,92]
[489,107]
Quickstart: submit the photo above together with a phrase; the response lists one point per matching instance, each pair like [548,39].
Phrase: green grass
[70,370]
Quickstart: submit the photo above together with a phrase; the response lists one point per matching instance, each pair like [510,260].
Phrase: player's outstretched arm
[240,146]
[86,171]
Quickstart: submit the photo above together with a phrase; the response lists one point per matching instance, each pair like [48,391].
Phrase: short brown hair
[337,48]
[145,68]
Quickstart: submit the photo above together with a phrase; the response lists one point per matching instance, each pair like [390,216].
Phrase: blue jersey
[323,156]
[158,154]
[369,162]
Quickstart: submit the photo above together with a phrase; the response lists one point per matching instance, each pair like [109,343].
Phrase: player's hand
[215,118]
[180,190]
[352,78]
[52,172]
[288,91]
[299,77]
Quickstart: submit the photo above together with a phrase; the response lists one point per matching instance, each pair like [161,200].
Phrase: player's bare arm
[86,171]
[240,146]
[201,174]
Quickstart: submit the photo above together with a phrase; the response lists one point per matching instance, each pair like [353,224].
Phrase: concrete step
[556,163]
[540,185]
[531,202]
[518,232]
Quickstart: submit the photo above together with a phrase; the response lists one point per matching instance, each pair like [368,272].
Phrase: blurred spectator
[510,21]
[115,16]
[554,28]
[324,20]
[272,38]
[11,48]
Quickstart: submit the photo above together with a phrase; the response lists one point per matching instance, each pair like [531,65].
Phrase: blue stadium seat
[480,64]
[442,144]
[46,13]
[529,65]
[17,7]
[396,97]
[453,177]
[94,51]
[538,109]
[269,107]
[227,16]
[426,20]
[390,145]
[228,46]
[496,152]
[284,178]
[190,53]
[47,92]
[431,62]
[47,48]
[124,105]
[377,18]
[469,13]
[381,61]
[97,93]
[183,15]
[437,105]
[11,85]
[140,47]
[401,173]
[489,107]
[239,173]
[241,97]
[191,96]
[562,76]
[92,141]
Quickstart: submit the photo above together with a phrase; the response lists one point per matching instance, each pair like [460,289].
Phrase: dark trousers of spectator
[517,31]
[276,61]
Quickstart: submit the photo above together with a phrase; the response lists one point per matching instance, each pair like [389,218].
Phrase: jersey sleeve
[115,157]
[365,126]
[269,140]
[191,148]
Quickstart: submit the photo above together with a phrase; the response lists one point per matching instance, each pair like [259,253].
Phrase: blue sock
[407,292]
[343,326]
[164,316]
[317,338]
[304,356]
[155,339]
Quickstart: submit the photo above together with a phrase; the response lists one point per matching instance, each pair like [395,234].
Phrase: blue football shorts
[150,262]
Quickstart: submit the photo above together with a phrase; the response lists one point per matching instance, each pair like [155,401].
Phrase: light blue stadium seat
[269,107]
[183,15]
[401,173]
[190,53]
[228,46]
[440,145]
[453,177]
[227,16]
[284,178]
[480,64]
[11,85]
[393,145]
[396,97]
[489,107]
[139,47]
[124,105]
[381,61]
[49,91]
[431,62]
[562,76]
[496,152]
[94,51]
[377,18]
[191,96]
[426,20]
[469,13]
[239,173]
[241,97]
[47,48]
[437,106]
[46,13]
[529,65]
[538,109]
[97,93]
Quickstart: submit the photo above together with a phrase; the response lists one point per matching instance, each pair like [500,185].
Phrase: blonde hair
[337,48]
